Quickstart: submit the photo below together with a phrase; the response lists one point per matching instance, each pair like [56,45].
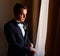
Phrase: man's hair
[17,8]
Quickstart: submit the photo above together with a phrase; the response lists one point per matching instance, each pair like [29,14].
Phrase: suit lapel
[16,29]
[26,35]
[19,31]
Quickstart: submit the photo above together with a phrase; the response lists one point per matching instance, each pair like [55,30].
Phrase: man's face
[22,15]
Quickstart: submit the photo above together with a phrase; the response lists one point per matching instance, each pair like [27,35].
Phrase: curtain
[42,28]
[53,33]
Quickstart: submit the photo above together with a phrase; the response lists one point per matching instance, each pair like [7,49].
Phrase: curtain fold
[53,33]
[42,28]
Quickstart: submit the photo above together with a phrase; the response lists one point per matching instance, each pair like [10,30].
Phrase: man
[16,33]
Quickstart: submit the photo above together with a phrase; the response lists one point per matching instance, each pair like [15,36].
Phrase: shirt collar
[19,22]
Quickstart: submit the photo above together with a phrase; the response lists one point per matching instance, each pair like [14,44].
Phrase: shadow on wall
[3,42]
[5,15]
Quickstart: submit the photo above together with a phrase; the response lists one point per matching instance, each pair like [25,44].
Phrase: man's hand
[30,45]
[34,50]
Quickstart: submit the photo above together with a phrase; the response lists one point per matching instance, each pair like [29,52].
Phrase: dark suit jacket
[18,45]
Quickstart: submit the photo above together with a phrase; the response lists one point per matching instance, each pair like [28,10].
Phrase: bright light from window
[42,28]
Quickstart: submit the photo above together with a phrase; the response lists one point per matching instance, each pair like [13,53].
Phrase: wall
[5,15]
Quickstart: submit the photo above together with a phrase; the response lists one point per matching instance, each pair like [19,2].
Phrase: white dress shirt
[22,29]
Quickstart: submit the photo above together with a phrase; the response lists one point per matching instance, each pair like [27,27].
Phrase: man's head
[20,12]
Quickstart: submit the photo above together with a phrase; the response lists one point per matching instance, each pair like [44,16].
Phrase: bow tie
[20,22]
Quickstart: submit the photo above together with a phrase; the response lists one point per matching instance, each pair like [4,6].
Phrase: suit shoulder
[8,23]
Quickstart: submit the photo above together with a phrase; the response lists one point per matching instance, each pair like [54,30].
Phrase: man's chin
[23,20]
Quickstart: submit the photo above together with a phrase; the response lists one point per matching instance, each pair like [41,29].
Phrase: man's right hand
[34,50]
